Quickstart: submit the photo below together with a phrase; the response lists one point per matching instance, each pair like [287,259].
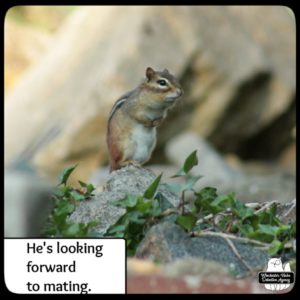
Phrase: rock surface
[217,173]
[128,180]
[239,83]
[167,242]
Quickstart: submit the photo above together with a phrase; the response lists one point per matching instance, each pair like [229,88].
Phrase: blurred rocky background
[65,67]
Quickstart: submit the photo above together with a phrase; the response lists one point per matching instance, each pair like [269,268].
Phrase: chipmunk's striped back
[119,103]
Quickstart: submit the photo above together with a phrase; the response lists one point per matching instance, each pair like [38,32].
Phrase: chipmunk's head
[163,86]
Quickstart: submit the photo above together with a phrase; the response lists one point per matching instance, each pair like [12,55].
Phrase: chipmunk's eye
[162,82]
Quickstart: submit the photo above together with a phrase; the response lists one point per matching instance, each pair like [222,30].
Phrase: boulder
[248,187]
[128,180]
[167,242]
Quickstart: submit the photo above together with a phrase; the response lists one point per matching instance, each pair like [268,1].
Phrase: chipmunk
[131,129]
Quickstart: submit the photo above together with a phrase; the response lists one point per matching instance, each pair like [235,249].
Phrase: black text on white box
[60,266]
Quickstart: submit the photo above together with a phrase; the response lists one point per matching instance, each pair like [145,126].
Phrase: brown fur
[113,148]
[135,110]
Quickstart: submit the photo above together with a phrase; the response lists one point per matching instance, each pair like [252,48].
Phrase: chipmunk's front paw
[131,163]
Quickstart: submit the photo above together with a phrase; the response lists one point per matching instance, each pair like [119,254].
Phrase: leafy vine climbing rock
[160,223]
[128,180]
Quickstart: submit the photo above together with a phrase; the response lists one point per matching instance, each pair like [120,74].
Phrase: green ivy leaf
[77,196]
[275,247]
[65,174]
[178,188]
[241,210]
[224,222]
[72,230]
[190,182]
[64,208]
[187,221]
[189,163]
[269,216]
[82,184]
[173,187]
[115,229]
[90,188]
[246,229]
[151,190]
[208,193]
[260,236]
[122,221]
[119,235]
[136,217]
[283,228]
[224,201]
[92,224]
[59,221]
[62,191]
[204,199]
[268,229]
[128,201]
[156,209]
[143,206]
[163,202]
[293,229]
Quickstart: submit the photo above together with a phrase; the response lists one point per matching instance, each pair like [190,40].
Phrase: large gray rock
[240,81]
[168,242]
[100,175]
[128,180]
[135,181]
[211,164]
[217,173]
[100,209]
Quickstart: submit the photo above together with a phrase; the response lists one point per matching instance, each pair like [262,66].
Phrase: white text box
[77,266]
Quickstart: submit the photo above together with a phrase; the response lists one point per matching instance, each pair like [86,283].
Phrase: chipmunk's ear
[166,71]
[150,73]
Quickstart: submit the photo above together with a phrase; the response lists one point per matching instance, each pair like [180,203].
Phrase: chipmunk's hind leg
[115,157]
